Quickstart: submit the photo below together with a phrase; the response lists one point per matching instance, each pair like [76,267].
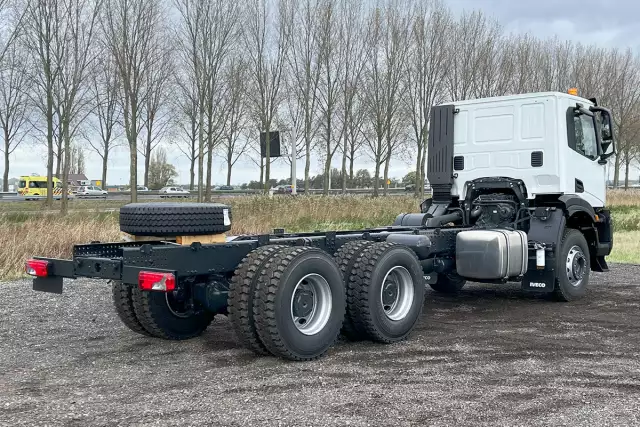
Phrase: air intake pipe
[439,221]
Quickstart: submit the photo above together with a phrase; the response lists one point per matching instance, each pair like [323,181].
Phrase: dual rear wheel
[293,302]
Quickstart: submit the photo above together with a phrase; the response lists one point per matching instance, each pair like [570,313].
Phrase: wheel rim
[311,304]
[575,266]
[396,293]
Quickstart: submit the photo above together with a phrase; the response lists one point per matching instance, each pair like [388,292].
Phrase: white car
[141,188]
[91,191]
[173,192]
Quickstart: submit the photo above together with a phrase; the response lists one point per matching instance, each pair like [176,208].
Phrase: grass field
[27,230]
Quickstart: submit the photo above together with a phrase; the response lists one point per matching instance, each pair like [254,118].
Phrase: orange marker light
[573,91]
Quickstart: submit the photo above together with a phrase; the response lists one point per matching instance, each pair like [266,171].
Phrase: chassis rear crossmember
[124,261]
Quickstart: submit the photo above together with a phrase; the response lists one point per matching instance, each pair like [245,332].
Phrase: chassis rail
[124,261]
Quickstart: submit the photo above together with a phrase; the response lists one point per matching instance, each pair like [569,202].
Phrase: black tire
[123,303]
[364,292]
[564,289]
[273,308]
[174,219]
[154,314]
[449,284]
[242,295]
[347,258]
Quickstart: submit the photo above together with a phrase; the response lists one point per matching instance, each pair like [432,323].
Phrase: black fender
[573,204]
[596,227]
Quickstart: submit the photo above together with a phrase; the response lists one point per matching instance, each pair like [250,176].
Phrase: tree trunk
[67,163]
[307,166]
[267,161]
[207,191]
[351,161]
[418,173]
[105,161]
[386,174]
[133,149]
[5,176]
[327,174]
[147,162]
[192,171]
[627,161]
[616,171]
[229,166]
[344,165]
[376,179]
[49,149]
[201,155]
[422,168]
[262,171]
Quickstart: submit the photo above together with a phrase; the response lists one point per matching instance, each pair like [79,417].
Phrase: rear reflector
[153,281]
[37,268]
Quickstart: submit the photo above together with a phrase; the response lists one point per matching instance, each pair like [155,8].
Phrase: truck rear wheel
[123,303]
[448,284]
[242,292]
[301,303]
[385,295]
[165,316]
[347,257]
[573,266]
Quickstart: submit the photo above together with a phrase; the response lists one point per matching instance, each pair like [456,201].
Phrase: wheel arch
[580,215]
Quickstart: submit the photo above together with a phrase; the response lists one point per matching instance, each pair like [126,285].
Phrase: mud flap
[542,281]
[51,285]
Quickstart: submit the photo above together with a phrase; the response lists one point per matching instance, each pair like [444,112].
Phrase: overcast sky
[605,22]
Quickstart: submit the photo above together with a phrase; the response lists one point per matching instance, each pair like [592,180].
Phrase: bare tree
[186,121]
[266,40]
[387,45]
[303,79]
[14,103]
[329,88]
[156,112]
[426,67]
[131,29]
[206,36]
[351,54]
[233,146]
[42,17]
[75,34]
[105,87]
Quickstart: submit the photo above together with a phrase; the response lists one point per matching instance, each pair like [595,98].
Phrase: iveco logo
[537,285]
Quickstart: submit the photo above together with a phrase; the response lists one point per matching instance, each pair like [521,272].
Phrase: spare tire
[175,219]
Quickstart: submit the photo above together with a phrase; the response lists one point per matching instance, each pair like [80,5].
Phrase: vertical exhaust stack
[440,158]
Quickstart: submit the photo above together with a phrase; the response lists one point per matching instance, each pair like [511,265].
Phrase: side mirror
[605,129]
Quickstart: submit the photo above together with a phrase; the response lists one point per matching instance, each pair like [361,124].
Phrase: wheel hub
[576,266]
[396,293]
[311,304]
[389,294]
[303,303]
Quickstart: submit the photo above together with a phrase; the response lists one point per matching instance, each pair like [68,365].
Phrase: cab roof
[531,95]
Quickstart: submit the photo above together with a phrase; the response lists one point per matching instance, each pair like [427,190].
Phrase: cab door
[589,181]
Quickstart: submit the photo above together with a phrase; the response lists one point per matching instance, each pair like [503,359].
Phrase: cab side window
[582,135]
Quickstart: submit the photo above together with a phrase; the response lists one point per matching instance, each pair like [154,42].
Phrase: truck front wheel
[573,266]
[165,316]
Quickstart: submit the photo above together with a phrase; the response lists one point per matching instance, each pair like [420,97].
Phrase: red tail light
[37,268]
[153,281]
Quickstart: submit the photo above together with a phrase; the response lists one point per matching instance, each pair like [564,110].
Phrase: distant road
[123,196]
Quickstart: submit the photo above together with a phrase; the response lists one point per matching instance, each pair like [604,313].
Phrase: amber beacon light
[573,91]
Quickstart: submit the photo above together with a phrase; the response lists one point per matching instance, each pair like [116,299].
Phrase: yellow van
[37,186]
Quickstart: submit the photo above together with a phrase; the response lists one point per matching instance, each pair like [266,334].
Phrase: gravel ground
[492,356]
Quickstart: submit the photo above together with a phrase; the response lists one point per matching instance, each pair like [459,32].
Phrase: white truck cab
[523,178]
[541,138]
